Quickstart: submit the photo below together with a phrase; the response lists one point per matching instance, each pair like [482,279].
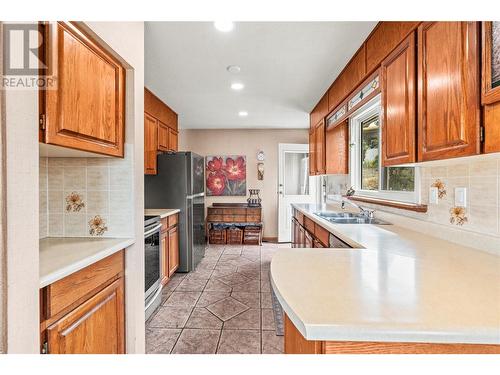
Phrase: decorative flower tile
[458,215]
[441,188]
[97,226]
[74,202]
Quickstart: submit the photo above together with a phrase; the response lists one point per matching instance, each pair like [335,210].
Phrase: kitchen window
[368,177]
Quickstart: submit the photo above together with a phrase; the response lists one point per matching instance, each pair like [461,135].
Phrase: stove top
[151,219]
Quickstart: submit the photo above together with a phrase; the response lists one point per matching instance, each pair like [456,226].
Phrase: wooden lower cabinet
[169,245]
[84,313]
[295,343]
[313,235]
[94,327]
[173,250]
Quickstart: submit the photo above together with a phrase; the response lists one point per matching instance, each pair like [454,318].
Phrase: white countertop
[161,212]
[60,257]
[399,285]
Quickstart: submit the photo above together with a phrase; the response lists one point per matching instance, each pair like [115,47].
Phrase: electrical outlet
[461,197]
[433,195]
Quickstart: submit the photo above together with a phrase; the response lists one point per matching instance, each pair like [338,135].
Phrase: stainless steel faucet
[366,212]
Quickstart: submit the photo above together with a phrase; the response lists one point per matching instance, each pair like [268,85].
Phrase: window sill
[390,203]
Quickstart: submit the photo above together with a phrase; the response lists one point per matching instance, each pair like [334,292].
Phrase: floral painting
[226,175]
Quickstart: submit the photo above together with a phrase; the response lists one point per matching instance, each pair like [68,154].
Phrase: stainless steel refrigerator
[180,183]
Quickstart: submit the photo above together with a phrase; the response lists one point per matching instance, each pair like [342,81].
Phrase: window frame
[370,109]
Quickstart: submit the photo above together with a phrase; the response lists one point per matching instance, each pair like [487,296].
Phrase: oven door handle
[152,230]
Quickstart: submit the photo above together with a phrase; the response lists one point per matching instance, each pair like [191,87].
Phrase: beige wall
[247,142]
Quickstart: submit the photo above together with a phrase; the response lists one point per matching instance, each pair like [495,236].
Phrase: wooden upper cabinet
[337,149]
[86,111]
[97,326]
[351,76]
[163,137]
[320,147]
[160,130]
[320,111]
[173,141]
[158,109]
[448,90]
[491,85]
[385,37]
[150,143]
[398,82]
[312,152]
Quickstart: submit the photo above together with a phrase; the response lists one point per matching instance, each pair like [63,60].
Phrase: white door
[294,185]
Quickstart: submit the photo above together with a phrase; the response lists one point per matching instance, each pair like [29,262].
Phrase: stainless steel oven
[152,264]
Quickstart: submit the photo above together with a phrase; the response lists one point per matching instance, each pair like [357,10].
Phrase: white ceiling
[285,66]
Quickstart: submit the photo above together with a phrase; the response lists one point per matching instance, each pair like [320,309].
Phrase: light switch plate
[461,197]
[433,195]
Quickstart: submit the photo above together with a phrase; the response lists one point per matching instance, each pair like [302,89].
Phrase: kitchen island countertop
[398,285]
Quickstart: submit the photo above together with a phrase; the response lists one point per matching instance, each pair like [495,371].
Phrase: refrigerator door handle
[195,195]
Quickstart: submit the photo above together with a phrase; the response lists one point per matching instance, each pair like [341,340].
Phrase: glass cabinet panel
[495,54]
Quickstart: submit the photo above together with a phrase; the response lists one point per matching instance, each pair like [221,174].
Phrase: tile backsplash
[86,197]
[480,175]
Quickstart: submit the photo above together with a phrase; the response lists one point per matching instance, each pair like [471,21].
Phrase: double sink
[349,218]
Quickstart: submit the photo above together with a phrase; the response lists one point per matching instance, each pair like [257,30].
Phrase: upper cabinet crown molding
[158,109]
[448,90]
[383,39]
[86,111]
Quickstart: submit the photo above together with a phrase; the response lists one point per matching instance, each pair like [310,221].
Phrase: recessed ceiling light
[233,69]
[237,86]
[243,113]
[224,26]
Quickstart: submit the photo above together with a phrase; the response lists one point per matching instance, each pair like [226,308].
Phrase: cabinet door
[398,80]
[312,152]
[164,248]
[97,326]
[86,111]
[448,108]
[150,144]
[173,250]
[302,236]
[163,136]
[337,149]
[320,147]
[172,140]
[491,85]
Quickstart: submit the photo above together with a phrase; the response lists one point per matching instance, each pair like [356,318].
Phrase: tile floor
[224,306]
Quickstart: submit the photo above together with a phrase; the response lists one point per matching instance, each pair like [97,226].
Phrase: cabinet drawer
[309,224]
[212,217]
[321,234]
[65,292]
[215,211]
[253,218]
